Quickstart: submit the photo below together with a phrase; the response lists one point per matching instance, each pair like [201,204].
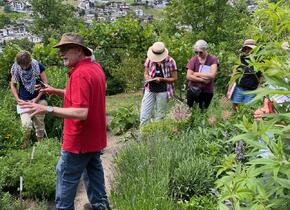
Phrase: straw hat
[73,39]
[157,52]
[251,43]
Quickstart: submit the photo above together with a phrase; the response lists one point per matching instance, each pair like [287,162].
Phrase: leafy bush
[10,132]
[142,176]
[166,127]
[207,202]
[124,119]
[47,55]
[6,201]
[38,175]
[6,60]
[57,78]
[193,176]
[133,67]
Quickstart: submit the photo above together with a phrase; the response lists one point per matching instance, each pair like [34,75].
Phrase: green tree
[6,60]
[51,18]
[4,20]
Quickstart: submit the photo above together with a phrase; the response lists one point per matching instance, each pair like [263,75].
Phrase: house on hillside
[16,33]
[19,6]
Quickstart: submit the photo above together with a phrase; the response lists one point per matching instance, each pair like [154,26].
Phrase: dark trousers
[203,99]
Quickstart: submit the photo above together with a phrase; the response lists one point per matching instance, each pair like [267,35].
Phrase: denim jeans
[69,169]
[240,97]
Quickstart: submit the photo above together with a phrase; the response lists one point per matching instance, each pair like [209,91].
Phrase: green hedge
[38,175]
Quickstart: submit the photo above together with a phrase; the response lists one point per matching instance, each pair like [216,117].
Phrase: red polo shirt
[85,89]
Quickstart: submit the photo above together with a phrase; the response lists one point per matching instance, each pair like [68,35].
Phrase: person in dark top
[160,74]
[201,72]
[249,80]
[28,74]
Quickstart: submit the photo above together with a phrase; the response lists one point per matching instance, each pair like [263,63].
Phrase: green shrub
[194,176]
[124,119]
[165,127]
[142,176]
[6,201]
[57,77]
[207,202]
[10,132]
[6,60]
[38,174]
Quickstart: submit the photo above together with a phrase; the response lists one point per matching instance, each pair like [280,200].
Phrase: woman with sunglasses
[201,72]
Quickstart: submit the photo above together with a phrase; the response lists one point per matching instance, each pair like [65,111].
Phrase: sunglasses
[198,52]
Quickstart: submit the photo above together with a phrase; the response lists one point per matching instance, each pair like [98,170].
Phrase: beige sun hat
[73,39]
[251,43]
[157,52]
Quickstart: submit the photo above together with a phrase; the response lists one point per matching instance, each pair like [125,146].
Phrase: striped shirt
[168,66]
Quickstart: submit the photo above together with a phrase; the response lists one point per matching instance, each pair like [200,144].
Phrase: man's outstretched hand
[33,108]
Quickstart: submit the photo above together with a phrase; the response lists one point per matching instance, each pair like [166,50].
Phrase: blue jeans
[69,169]
[239,97]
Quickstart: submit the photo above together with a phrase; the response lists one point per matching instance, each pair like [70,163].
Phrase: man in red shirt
[84,134]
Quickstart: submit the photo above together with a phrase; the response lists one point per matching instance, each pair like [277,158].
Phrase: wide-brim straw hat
[157,52]
[251,43]
[73,39]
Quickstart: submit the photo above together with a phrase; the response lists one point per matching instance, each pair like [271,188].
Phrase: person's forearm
[210,76]
[14,91]
[195,78]
[169,79]
[59,92]
[73,113]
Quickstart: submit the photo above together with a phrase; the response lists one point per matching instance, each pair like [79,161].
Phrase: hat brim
[156,57]
[250,46]
[87,51]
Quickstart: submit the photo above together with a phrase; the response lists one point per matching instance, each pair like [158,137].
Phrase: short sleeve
[147,63]
[190,64]
[79,91]
[214,60]
[173,66]
[41,67]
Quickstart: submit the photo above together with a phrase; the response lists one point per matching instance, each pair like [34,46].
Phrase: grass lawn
[114,102]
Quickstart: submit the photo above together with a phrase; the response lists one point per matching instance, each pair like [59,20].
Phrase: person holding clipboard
[160,74]
[201,72]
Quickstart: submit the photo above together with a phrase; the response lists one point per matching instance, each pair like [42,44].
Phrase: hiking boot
[88,206]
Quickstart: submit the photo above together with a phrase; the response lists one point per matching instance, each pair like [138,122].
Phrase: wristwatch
[49,109]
